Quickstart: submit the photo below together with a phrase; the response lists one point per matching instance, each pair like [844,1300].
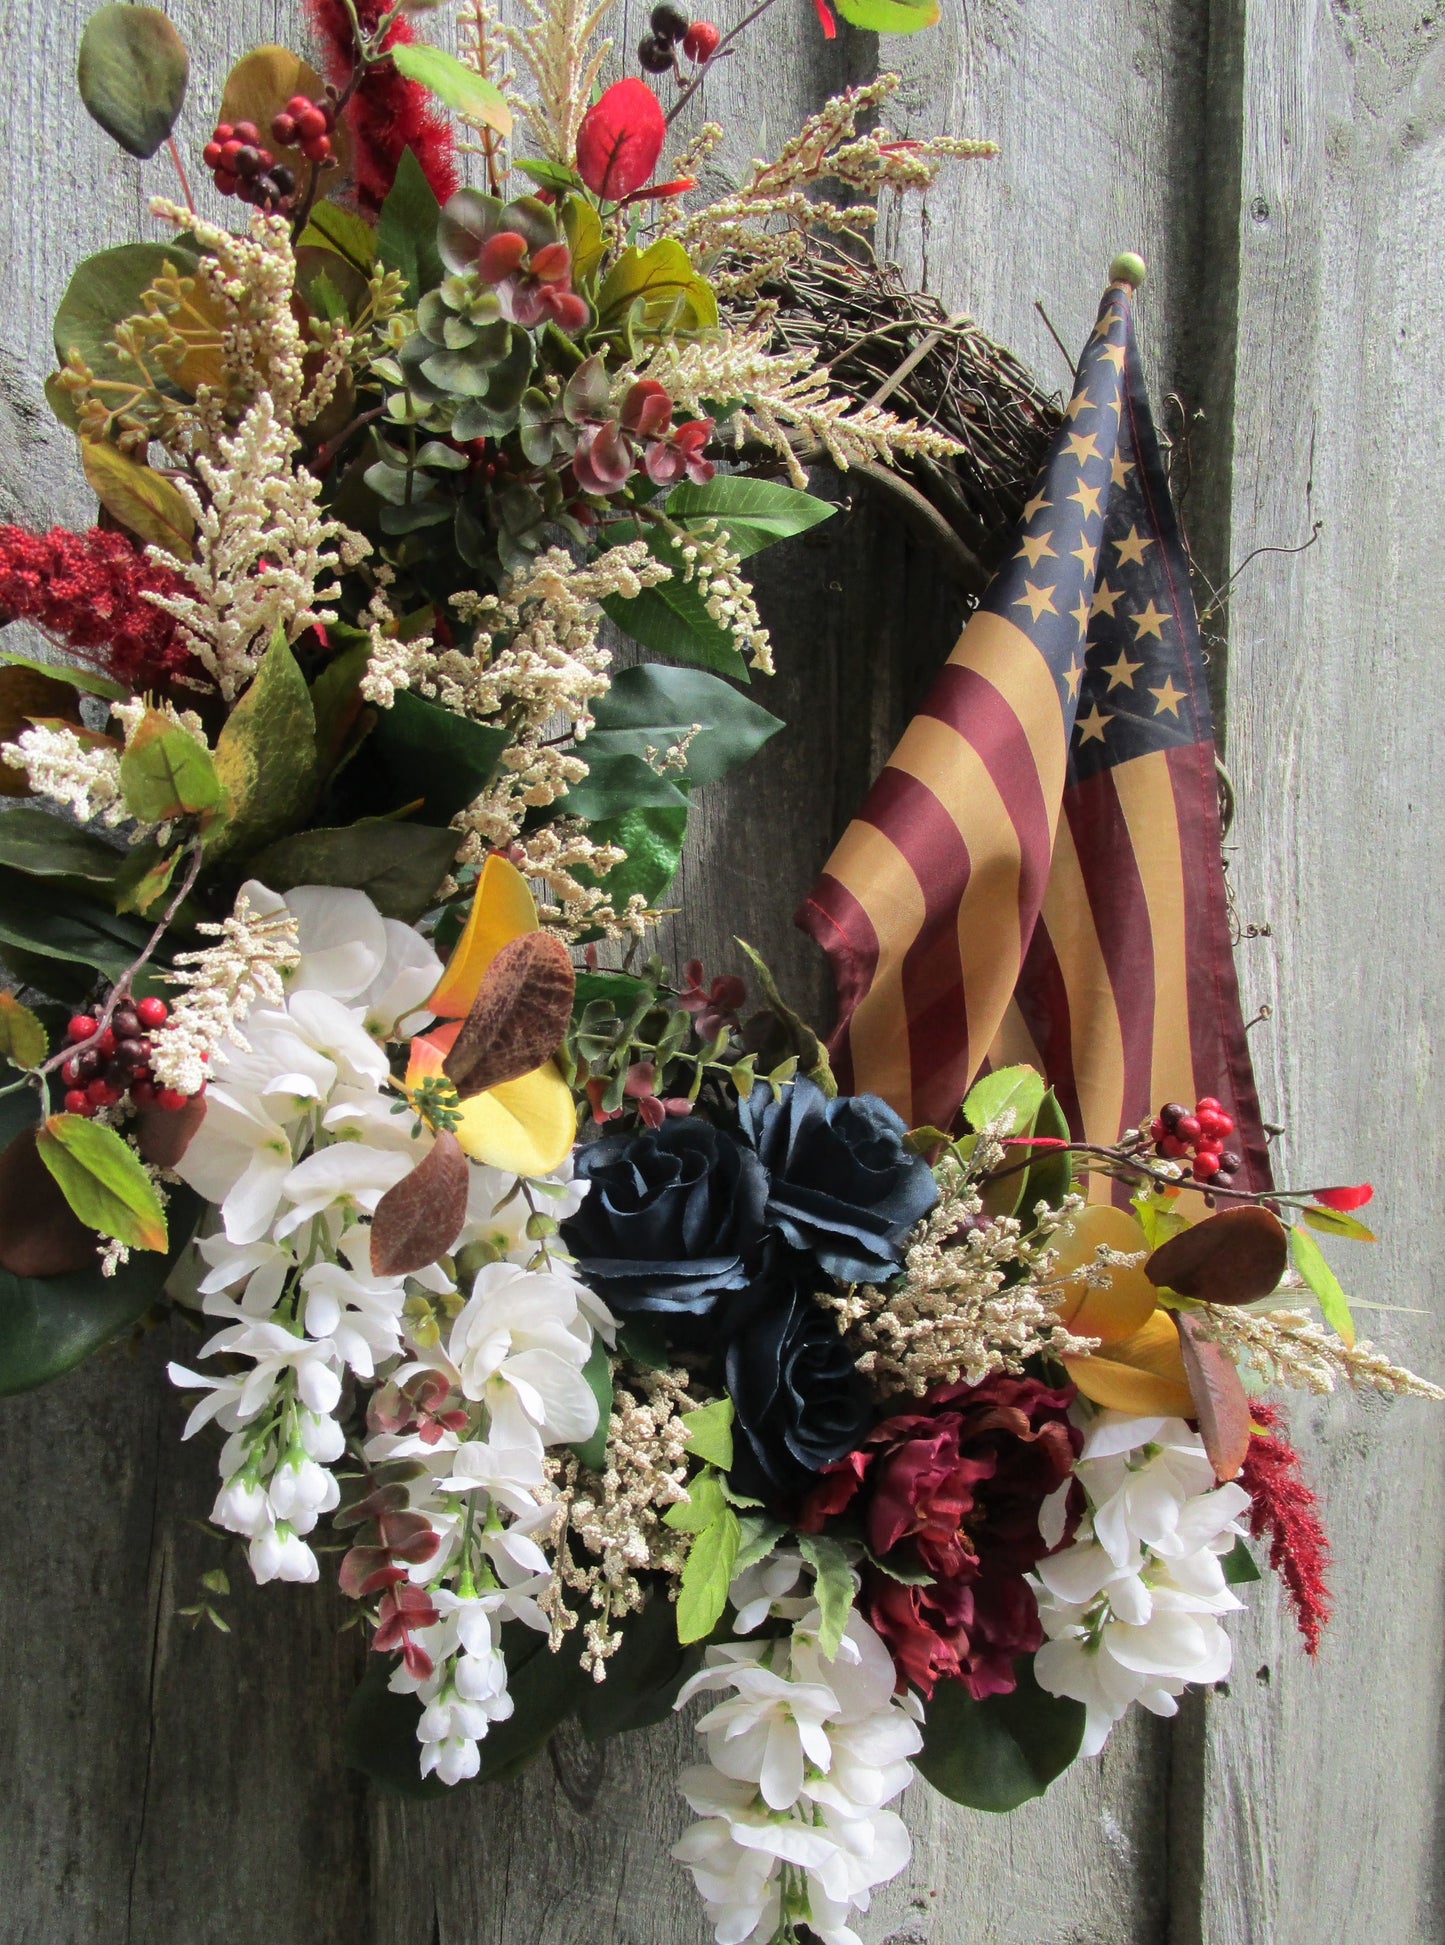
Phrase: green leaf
[1018,1090]
[1309,1261]
[620,990]
[461,88]
[708,1570]
[550,175]
[1238,1566]
[710,1433]
[759,1537]
[644,1345]
[705,1503]
[140,500]
[266,756]
[672,619]
[1334,1222]
[43,845]
[597,1371]
[398,865]
[1157,1217]
[406,229]
[1050,1175]
[166,773]
[643,1677]
[652,706]
[615,784]
[132,75]
[652,840]
[145,878]
[102,1179]
[812,1054]
[753,513]
[86,681]
[331,227]
[889,16]
[23,1039]
[58,923]
[657,292]
[105,289]
[833,1585]
[996,1754]
[423,751]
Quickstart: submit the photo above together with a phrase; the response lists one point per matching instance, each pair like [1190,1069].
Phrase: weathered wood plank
[1321,1782]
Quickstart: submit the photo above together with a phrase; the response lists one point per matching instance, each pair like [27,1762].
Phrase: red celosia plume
[1282,1505]
[388,114]
[88,591]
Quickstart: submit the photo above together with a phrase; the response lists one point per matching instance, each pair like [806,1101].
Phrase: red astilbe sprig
[1282,1505]
[387,114]
[88,592]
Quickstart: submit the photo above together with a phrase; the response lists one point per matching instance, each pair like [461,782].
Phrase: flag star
[1085,555]
[1113,354]
[1121,673]
[1121,470]
[1077,404]
[1131,547]
[1150,622]
[1105,324]
[1104,599]
[1092,726]
[1071,678]
[1168,698]
[1035,505]
[1035,546]
[1087,498]
[1083,448]
[1081,615]
[1038,601]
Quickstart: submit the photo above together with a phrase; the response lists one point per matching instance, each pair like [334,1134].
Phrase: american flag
[1036,875]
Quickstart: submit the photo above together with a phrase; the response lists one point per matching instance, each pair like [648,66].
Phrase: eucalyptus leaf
[105,289]
[132,75]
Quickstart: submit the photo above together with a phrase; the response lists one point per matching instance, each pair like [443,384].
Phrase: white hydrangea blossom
[1131,1608]
[804,1755]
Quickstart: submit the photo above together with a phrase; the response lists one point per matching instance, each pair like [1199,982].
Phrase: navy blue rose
[672,1222]
[841,1185]
[798,1403]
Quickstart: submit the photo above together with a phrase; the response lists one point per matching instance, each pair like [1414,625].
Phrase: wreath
[632,1346]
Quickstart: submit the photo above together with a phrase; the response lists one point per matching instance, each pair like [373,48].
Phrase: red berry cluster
[1178,1133]
[306,125]
[243,168]
[657,51]
[107,1066]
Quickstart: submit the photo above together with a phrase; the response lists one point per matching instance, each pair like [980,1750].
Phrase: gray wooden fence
[1280,164]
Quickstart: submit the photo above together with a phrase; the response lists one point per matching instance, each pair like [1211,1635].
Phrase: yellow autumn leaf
[1124,1305]
[1142,1374]
[526,1126]
[502,910]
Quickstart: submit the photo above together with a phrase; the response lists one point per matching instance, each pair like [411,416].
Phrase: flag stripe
[1043,1004]
[844,930]
[871,868]
[1146,799]
[1096,1042]
[1121,923]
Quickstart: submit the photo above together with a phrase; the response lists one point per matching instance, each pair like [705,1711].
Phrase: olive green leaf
[103,1181]
[132,75]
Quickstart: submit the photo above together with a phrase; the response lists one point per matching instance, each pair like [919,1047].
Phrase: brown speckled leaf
[419,1219]
[1233,1257]
[1220,1404]
[163,1135]
[518,1018]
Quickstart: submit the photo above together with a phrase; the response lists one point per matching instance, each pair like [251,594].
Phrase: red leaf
[620,139]
[1220,1405]
[826,20]
[1345,1199]
[420,1217]
[518,1018]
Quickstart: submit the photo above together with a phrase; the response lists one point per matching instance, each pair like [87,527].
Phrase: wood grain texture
[178,1787]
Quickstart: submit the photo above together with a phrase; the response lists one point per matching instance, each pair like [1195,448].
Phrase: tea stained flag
[1036,875]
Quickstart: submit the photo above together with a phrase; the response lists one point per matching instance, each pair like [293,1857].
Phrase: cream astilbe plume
[557,45]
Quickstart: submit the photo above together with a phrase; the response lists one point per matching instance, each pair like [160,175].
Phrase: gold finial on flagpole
[1127,268]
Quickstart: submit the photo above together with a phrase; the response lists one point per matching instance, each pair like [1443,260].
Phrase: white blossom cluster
[297,1147]
[804,1755]
[1131,1607]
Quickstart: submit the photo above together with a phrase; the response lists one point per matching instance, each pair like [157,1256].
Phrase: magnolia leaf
[519,1017]
[43,845]
[132,75]
[1334,1222]
[653,841]
[1233,1257]
[753,513]
[87,681]
[1333,1303]
[1220,1405]
[421,1216]
[592,1452]
[259,87]
[618,782]
[706,1576]
[654,707]
[1016,1091]
[420,750]
[672,619]
[40,1234]
[643,1677]
[833,1586]
[55,922]
[461,88]
[166,773]
[102,1179]
[996,1754]
[266,756]
[710,1433]
[23,1039]
[406,229]
[26,693]
[398,865]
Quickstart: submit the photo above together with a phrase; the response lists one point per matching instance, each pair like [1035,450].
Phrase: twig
[726,42]
[180,171]
[1049,325]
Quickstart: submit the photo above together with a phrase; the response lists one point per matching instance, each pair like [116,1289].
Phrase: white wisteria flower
[520,1344]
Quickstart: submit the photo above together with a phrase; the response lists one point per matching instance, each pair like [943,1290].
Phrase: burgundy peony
[952,1491]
